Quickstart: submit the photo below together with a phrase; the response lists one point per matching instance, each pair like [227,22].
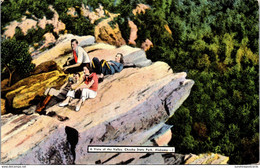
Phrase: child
[88,88]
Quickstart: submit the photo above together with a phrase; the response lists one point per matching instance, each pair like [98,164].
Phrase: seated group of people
[87,85]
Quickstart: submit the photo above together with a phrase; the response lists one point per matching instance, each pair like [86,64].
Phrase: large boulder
[23,92]
[107,31]
[130,109]
[88,41]
[138,58]
[45,67]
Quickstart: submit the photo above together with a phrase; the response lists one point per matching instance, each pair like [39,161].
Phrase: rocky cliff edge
[131,108]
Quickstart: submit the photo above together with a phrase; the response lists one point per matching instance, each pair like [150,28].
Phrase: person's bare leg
[47,91]
[54,92]
[79,105]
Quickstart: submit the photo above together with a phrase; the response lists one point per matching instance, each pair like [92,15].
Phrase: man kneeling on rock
[88,87]
[78,61]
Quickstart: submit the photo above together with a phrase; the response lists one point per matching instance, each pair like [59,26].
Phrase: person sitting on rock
[104,67]
[58,94]
[88,87]
[78,61]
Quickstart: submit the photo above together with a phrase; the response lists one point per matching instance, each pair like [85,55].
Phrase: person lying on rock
[79,59]
[104,67]
[59,94]
[88,87]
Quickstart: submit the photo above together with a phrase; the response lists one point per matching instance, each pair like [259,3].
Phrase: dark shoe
[51,114]
[62,118]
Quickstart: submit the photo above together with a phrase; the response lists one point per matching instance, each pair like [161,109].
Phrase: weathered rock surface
[138,58]
[108,32]
[140,8]
[49,39]
[133,32]
[45,67]
[210,158]
[72,12]
[88,41]
[131,106]
[92,15]
[24,25]
[27,24]
[27,89]
[10,29]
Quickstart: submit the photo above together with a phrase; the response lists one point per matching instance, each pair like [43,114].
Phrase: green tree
[15,58]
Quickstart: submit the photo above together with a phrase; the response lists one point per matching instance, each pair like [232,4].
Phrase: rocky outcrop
[49,39]
[138,58]
[10,29]
[88,41]
[133,32]
[72,12]
[23,92]
[92,15]
[3,110]
[57,24]
[45,67]
[27,24]
[209,158]
[141,8]
[107,31]
[24,25]
[130,109]
[163,136]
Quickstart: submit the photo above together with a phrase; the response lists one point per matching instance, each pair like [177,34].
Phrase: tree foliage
[15,58]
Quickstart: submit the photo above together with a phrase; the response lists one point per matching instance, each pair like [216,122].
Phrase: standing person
[78,61]
[88,87]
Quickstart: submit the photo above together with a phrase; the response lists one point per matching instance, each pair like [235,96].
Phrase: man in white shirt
[79,59]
